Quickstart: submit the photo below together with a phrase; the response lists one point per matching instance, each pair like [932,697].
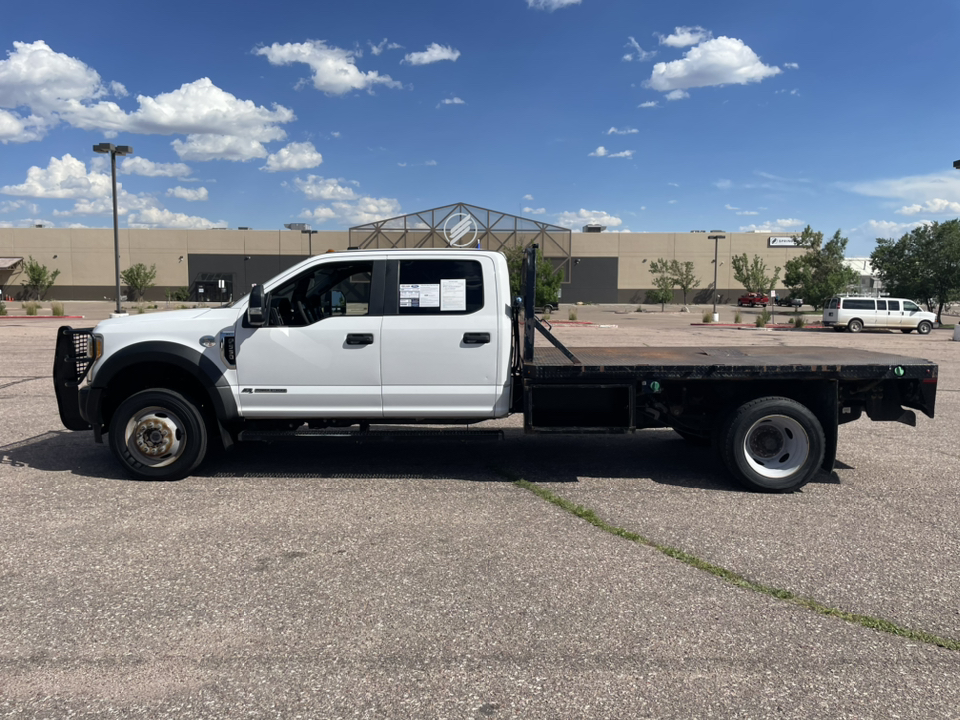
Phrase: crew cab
[752,299]
[354,344]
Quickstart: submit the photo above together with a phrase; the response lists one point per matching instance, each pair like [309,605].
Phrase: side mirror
[255,314]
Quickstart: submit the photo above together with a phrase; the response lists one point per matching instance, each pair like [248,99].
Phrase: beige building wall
[85,257]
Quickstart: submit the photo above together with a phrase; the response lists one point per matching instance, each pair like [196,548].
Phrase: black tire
[855,325]
[739,304]
[906,331]
[158,435]
[924,327]
[772,444]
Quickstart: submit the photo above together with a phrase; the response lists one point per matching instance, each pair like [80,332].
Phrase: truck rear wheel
[158,435]
[772,444]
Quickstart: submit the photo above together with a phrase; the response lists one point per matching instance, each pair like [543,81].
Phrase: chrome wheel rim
[155,436]
[776,447]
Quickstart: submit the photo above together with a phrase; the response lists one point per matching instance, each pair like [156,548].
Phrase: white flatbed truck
[354,344]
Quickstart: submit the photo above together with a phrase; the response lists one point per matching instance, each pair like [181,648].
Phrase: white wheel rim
[776,447]
[155,436]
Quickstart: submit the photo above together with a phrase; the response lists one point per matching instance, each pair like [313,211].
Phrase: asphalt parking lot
[420,580]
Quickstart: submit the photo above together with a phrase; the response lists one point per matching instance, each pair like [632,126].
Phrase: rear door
[439,354]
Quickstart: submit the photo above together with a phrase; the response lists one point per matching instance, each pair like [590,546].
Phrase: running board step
[368,435]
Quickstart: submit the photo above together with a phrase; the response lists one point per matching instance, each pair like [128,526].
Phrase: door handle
[475,338]
[360,339]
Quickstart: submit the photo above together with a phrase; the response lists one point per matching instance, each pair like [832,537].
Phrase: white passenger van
[857,313]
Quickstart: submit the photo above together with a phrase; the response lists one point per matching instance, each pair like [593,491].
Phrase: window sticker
[453,294]
[420,295]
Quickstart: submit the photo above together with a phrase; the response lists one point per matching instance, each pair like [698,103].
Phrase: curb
[41,317]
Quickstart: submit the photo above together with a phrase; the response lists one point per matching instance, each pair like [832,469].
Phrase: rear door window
[440,287]
[858,304]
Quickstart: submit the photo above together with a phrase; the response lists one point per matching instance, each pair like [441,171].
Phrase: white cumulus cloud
[202,148]
[637,53]
[622,131]
[576,220]
[315,187]
[65,177]
[720,61]
[534,211]
[599,152]
[295,156]
[335,70]
[550,5]
[451,101]
[685,36]
[162,218]
[199,194]
[783,225]
[434,53]
[937,206]
[148,168]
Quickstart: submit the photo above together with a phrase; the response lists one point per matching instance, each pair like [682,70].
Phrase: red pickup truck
[753,299]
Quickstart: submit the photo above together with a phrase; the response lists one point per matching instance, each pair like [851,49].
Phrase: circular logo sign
[459,234]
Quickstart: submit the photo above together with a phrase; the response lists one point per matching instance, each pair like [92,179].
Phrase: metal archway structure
[461,225]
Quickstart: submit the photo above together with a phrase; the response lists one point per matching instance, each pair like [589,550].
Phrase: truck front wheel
[158,435]
[772,444]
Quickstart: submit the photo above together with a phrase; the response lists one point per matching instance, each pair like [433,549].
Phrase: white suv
[857,313]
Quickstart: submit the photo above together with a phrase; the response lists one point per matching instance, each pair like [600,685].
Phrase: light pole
[311,233]
[716,266]
[115,150]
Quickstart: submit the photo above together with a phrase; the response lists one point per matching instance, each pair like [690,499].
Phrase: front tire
[772,444]
[158,435]
[924,327]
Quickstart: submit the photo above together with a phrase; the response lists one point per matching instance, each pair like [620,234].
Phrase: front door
[440,339]
[318,355]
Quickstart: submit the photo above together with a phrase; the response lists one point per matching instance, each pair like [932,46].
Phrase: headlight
[94,353]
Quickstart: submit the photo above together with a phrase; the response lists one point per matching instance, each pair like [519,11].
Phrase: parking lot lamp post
[311,233]
[716,266]
[115,150]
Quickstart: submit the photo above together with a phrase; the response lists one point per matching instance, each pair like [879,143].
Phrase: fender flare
[197,364]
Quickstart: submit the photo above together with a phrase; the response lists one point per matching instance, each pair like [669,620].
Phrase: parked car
[752,299]
[786,301]
[857,313]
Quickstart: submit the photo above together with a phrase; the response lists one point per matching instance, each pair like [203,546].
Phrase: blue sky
[643,116]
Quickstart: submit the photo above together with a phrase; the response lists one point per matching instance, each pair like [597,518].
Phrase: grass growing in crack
[733,578]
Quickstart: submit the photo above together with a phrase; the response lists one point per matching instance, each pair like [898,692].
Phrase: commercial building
[219,264]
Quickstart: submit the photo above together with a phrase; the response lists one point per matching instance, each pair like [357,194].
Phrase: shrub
[708,316]
[3,308]
[738,318]
[763,318]
[572,315]
[31,307]
[57,308]
[799,321]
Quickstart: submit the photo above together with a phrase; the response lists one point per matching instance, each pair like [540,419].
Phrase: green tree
[924,264]
[683,277]
[819,274]
[663,283]
[38,278]
[548,279]
[139,278]
[752,274]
